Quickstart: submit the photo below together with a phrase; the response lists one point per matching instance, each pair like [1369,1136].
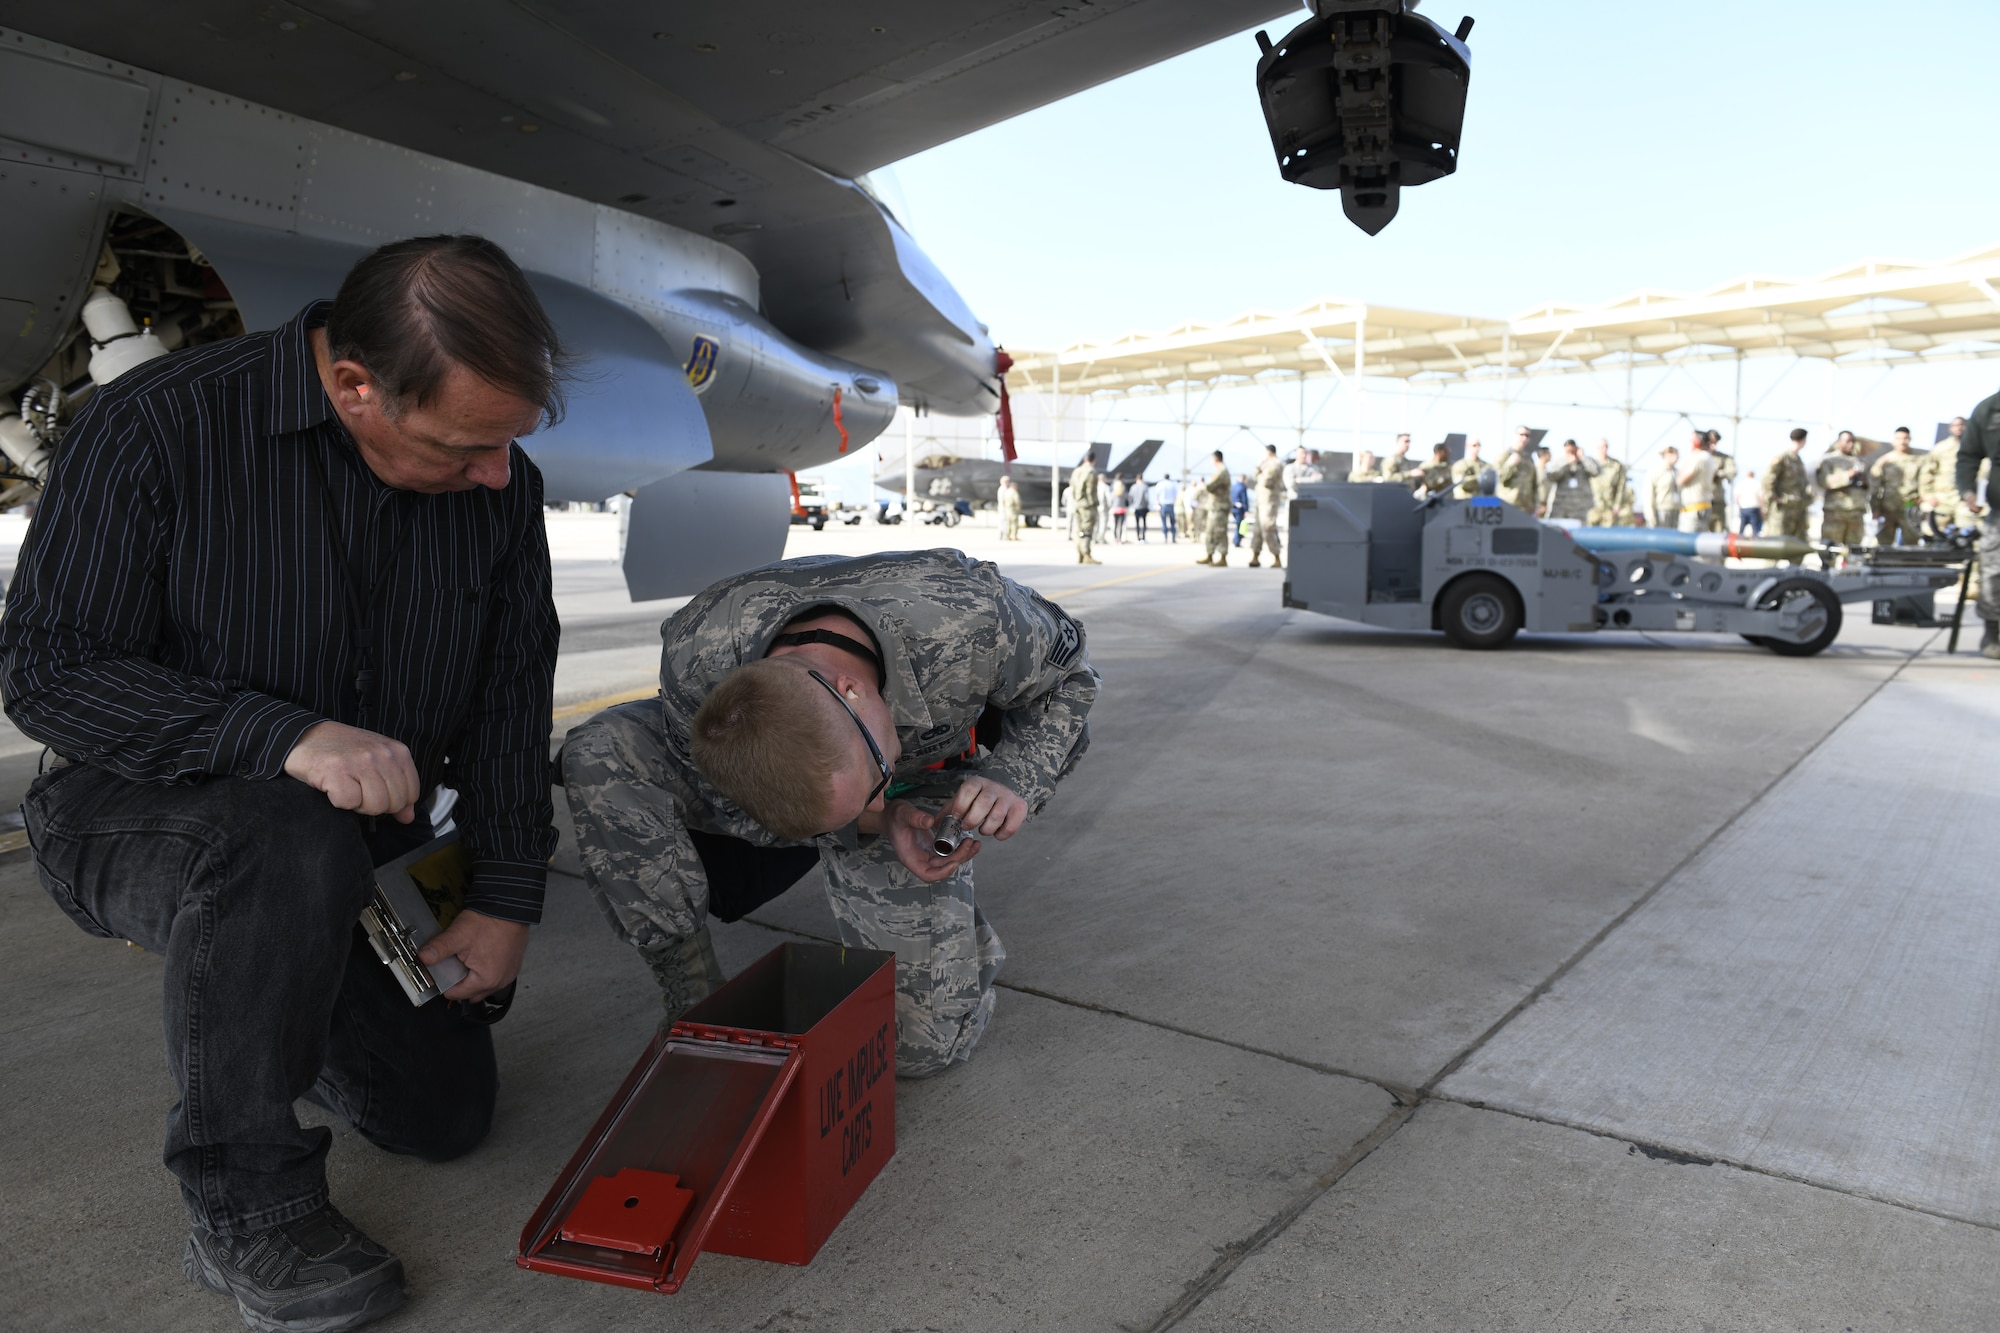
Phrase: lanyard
[360,597]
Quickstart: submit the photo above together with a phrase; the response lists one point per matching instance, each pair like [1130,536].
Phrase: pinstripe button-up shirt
[178,611]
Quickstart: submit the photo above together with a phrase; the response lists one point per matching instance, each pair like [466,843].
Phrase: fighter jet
[946,478]
[686,187]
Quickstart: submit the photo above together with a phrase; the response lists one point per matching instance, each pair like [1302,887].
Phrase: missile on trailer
[1701,545]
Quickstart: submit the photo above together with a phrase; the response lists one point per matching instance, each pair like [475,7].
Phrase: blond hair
[769,740]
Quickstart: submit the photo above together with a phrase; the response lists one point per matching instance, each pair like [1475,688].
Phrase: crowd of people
[1853,495]
[1887,496]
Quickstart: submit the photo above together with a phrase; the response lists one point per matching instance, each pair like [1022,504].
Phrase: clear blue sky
[1607,147]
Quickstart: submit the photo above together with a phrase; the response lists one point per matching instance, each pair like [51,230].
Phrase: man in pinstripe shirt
[279,589]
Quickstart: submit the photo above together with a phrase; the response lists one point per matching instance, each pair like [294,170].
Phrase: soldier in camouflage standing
[1009,504]
[1843,485]
[1399,467]
[1215,529]
[1663,491]
[1977,449]
[1610,491]
[1570,484]
[1893,482]
[1465,472]
[800,704]
[1787,491]
[1267,502]
[1937,485]
[1083,508]
[1434,478]
[1725,473]
[1519,478]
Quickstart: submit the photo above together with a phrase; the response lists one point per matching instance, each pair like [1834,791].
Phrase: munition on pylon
[1701,545]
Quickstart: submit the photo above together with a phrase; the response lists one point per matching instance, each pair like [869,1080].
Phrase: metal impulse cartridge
[946,835]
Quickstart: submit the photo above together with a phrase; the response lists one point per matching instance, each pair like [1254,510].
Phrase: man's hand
[909,831]
[985,807]
[1971,501]
[490,948]
[358,770]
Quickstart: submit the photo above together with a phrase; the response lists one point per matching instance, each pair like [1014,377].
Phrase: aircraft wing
[747,122]
[724,119]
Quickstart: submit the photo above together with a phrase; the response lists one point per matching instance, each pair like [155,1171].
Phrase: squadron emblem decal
[700,366]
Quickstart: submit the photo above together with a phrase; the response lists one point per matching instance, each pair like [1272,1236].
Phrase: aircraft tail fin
[1136,462]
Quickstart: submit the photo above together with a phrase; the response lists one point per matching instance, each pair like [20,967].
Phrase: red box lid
[683,1124]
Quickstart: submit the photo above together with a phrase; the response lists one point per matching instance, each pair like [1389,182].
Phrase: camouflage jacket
[1569,488]
[1466,473]
[1267,483]
[1083,489]
[1611,488]
[1844,481]
[1785,481]
[1895,478]
[1725,472]
[1664,496]
[955,637]
[1519,482]
[1215,491]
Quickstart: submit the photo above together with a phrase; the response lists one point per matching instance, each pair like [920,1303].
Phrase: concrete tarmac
[1354,981]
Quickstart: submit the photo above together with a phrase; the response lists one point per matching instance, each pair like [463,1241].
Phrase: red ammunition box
[750,1128]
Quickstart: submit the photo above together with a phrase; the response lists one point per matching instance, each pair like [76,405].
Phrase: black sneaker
[317,1274]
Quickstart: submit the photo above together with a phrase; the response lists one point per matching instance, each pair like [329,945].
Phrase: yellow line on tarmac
[1109,583]
[604,701]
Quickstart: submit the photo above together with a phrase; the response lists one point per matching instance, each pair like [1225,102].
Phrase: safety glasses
[881,764]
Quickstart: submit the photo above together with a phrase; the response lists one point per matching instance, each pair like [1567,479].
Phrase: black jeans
[251,890]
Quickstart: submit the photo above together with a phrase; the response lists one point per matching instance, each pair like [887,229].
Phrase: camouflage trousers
[1988,574]
[1902,519]
[1086,532]
[1264,530]
[1215,534]
[642,871]
[1842,527]
[1786,519]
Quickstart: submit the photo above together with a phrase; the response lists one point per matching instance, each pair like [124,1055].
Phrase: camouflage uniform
[1975,456]
[956,637]
[1718,491]
[1610,495]
[1400,470]
[1843,483]
[1009,504]
[1083,508]
[1570,489]
[1894,486]
[1787,496]
[1663,493]
[1267,501]
[1435,478]
[1465,472]
[1215,534]
[1520,481]
[1937,487]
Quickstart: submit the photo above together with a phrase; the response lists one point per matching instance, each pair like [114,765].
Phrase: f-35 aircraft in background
[945,478]
[686,187]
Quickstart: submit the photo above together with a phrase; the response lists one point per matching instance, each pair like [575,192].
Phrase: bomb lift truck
[1482,570]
